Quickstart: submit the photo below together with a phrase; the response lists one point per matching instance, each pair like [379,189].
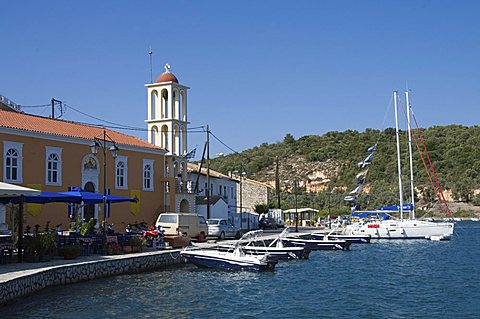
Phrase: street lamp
[102,143]
[295,189]
[240,175]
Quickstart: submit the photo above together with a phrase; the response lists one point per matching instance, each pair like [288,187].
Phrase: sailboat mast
[412,189]
[400,189]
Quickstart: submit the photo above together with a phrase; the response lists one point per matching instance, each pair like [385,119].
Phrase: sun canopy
[76,197]
[370,214]
[396,208]
[10,190]
[96,198]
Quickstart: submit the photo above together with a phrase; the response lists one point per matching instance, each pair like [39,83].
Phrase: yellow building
[53,155]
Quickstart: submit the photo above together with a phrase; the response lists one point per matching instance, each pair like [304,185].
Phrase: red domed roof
[167,77]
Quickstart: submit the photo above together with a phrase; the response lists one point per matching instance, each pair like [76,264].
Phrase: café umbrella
[76,197]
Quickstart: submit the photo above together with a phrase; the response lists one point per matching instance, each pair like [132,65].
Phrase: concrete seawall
[20,283]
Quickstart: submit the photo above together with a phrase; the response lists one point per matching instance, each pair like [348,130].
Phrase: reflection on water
[386,279]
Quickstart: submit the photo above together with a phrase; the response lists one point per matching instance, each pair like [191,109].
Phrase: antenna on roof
[150,52]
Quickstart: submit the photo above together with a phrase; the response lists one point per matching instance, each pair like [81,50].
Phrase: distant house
[221,186]
[218,207]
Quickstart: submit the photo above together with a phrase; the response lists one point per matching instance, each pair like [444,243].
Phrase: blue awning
[370,214]
[43,198]
[96,198]
[396,208]
[75,197]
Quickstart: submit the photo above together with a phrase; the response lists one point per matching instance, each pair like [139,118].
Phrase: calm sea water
[386,279]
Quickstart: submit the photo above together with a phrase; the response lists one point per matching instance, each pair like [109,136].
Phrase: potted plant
[88,227]
[127,248]
[32,246]
[137,243]
[70,251]
[113,248]
[48,243]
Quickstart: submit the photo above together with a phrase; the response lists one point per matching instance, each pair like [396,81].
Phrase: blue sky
[257,69]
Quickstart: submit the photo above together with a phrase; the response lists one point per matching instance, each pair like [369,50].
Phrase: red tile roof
[34,123]
[167,77]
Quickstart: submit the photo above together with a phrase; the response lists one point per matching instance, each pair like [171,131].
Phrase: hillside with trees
[326,166]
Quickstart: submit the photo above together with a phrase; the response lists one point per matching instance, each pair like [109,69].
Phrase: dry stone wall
[65,274]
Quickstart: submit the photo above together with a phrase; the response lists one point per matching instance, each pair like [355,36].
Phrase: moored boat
[252,244]
[316,244]
[235,259]
[354,239]
[401,229]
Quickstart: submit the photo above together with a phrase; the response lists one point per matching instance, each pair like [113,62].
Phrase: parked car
[222,228]
[267,223]
[192,225]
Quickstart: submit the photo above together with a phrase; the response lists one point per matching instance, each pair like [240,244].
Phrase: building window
[52,169]
[120,174]
[53,166]
[121,181]
[12,165]
[148,175]
[220,190]
[147,178]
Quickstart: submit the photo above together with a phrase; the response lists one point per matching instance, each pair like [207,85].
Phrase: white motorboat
[252,244]
[233,258]
[229,260]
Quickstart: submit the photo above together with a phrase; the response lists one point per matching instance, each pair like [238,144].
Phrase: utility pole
[53,107]
[295,188]
[277,182]
[208,172]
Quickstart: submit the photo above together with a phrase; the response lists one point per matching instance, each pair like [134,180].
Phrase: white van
[185,224]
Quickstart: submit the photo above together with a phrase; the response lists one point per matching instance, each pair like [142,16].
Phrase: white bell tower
[167,114]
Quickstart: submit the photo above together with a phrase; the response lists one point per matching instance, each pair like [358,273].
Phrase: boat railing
[282,234]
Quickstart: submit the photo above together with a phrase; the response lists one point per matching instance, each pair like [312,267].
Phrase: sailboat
[402,228]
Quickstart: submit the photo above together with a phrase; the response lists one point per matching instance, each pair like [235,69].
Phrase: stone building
[253,193]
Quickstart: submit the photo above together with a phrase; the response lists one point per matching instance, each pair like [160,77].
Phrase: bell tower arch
[167,113]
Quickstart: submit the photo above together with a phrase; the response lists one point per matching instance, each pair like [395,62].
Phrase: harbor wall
[32,281]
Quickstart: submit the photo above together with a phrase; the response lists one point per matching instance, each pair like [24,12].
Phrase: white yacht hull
[396,229]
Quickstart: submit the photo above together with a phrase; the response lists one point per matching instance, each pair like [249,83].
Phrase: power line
[40,105]
[125,127]
[231,149]
[99,119]
[114,125]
